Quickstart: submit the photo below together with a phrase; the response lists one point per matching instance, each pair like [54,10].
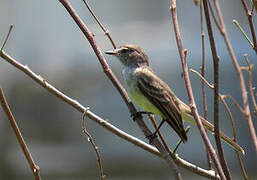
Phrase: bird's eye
[125,50]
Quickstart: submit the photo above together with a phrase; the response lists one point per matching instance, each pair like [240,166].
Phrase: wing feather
[160,95]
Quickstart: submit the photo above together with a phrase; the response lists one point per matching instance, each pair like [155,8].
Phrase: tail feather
[180,131]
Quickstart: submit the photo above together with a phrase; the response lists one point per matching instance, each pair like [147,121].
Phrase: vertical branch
[119,87]
[250,83]
[190,91]
[205,109]
[246,113]
[234,136]
[91,140]
[203,65]
[255,4]
[34,168]
[216,91]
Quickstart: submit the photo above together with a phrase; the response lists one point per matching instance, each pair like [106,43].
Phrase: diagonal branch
[106,31]
[119,87]
[34,168]
[250,20]
[108,126]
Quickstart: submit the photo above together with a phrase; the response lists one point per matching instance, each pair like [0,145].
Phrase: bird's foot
[139,114]
[151,137]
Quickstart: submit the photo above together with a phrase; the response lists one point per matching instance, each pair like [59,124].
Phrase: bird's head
[130,55]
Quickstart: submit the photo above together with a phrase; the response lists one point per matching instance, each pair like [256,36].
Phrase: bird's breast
[131,80]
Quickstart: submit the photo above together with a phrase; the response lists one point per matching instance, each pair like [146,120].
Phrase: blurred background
[48,41]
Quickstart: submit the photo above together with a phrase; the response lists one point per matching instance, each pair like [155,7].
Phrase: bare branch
[222,98]
[234,135]
[247,113]
[250,83]
[249,14]
[205,108]
[34,168]
[119,87]
[234,102]
[76,105]
[7,37]
[216,89]
[214,16]
[210,127]
[106,31]
[190,92]
[243,32]
[91,140]
[202,78]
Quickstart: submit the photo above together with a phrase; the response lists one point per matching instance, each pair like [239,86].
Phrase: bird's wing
[160,95]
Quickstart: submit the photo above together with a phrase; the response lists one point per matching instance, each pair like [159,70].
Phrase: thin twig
[34,168]
[212,87]
[243,32]
[207,124]
[108,126]
[205,108]
[234,102]
[202,78]
[119,87]
[91,140]
[247,112]
[7,36]
[106,31]
[249,14]
[216,87]
[214,16]
[234,136]
[222,98]
[190,91]
[250,83]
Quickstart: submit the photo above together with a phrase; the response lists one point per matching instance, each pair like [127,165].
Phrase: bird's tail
[231,142]
[180,131]
[187,116]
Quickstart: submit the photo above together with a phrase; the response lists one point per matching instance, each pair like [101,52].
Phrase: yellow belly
[143,102]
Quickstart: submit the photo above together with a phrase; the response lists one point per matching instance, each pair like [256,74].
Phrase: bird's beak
[112,52]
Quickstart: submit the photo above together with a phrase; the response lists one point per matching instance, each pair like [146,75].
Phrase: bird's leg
[139,114]
[152,136]
[180,141]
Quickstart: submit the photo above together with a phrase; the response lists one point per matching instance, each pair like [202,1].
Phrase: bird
[153,95]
